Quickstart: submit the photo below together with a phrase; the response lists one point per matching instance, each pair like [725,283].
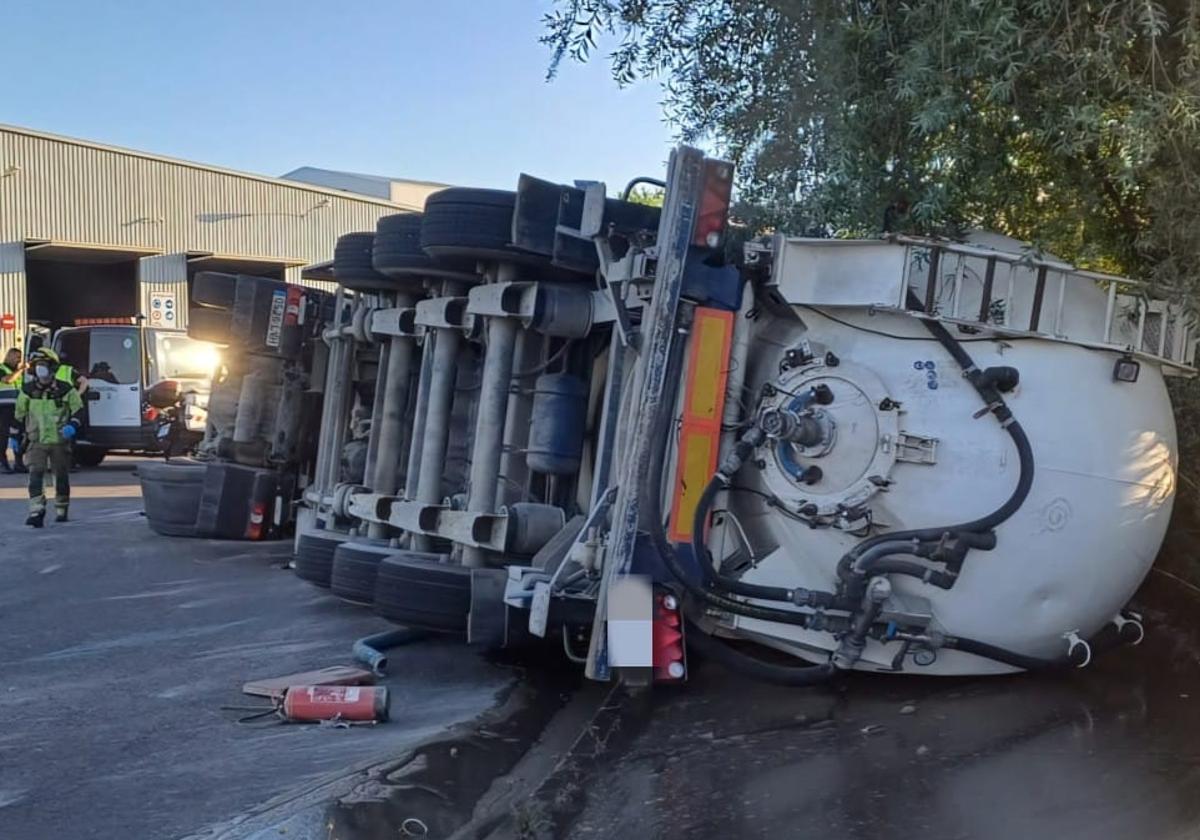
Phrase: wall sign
[163,310]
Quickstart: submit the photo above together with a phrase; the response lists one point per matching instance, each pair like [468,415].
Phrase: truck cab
[121,361]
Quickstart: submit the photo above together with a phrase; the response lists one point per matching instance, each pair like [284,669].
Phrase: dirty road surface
[120,647]
[1111,752]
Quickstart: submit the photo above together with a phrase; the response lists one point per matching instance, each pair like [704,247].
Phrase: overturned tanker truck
[901,455]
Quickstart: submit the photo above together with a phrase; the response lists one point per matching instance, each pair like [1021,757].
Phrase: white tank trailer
[898,454]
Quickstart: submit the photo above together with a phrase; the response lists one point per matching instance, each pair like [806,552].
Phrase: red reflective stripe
[291,313]
[713,214]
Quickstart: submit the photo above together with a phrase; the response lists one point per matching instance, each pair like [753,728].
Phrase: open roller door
[69,281]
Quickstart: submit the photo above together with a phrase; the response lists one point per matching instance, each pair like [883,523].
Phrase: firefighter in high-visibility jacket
[51,410]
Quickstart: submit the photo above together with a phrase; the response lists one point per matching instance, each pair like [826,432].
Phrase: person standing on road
[51,410]
[10,388]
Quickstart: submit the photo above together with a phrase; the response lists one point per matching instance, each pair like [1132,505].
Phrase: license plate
[275,324]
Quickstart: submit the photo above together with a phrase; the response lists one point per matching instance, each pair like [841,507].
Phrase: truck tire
[211,288]
[352,264]
[171,496]
[355,565]
[416,590]
[397,249]
[313,560]
[215,325]
[89,456]
[470,223]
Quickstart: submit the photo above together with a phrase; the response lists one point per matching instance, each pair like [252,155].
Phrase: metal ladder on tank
[1164,332]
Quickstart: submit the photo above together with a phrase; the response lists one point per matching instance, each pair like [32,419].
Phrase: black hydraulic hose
[711,577]
[880,560]
[1017,660]
[755,668]
[1077,656]
[868,558]
[995,402]
[942,580]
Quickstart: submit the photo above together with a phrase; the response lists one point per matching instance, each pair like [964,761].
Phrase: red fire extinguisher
[351,703]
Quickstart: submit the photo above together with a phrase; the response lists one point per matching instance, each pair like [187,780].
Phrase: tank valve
[850,650]
[793,427]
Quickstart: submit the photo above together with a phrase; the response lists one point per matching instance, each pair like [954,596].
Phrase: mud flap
[487,622]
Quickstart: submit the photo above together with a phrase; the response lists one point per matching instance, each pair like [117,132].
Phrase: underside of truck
[551,414]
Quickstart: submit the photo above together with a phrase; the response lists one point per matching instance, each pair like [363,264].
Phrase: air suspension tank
[559,421]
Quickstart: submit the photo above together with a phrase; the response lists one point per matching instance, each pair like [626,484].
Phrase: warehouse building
[93,231]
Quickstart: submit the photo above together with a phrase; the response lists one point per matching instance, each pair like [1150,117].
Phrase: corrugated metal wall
[12,287]
[166,274]
[58,189]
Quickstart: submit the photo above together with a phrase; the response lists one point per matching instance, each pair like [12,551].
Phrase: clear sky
[442,90]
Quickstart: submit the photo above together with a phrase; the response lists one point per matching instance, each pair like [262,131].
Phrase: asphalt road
[120,646]
[1111,752]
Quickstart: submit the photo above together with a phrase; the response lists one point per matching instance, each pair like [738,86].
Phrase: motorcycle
[178,418]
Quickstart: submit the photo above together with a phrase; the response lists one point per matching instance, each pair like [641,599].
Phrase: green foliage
[650,196]
[1075,125]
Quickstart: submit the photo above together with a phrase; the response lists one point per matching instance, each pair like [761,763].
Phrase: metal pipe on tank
[489,423]
[387,426]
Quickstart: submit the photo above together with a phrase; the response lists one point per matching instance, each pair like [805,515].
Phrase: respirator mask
[42,372]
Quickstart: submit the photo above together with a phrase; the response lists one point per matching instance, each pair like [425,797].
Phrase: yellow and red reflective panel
[703,408]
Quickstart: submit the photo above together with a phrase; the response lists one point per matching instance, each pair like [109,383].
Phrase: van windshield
[177,356]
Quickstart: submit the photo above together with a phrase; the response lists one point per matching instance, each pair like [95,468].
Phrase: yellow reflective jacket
[45,410]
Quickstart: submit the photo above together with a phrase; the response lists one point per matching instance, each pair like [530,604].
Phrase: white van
[122,362]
